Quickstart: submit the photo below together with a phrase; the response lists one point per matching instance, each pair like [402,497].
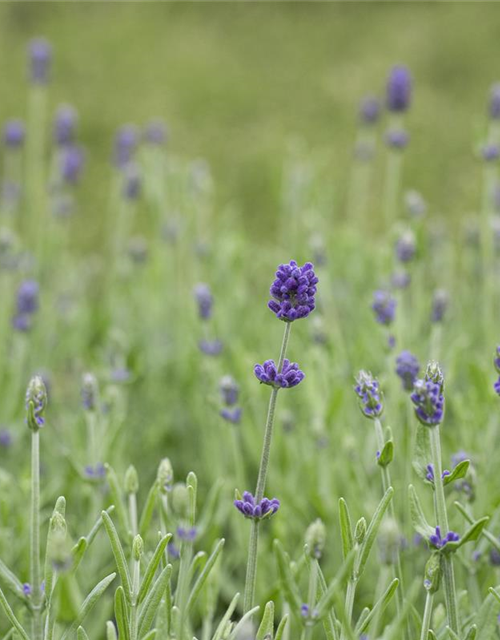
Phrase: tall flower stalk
[293,297]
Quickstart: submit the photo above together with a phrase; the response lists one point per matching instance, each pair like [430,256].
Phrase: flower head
[125,144]
[256,510]
[5,438]
[490,152]
[156,132]
[369,110]
[399,85]
[438,542]
[428,400]
[231,414]
[14,133]
[289,376]
[131,188]
[440,302]
[229,390]
[370,397]
[407,368]
[211,347]
[36,401]
[89,392]
[26,305]
[384,307]
[40,57]
[204,300]
[293,291]
[495,102]
[397,139]
[71,164]
[401,279]
[406,247]
[65,123]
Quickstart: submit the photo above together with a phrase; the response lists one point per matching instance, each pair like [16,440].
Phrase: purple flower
[36,401]
[125,144]
[211,347]
[27,590]
[289,376]
[405,247]
[229,390]
[438,542]
[399,85]
[155,132]
[231,414]
[64,127]
[384,307]
[204,300]
[428,400]
[368,391]
[430,473]
[496,361]
[131,182]
[490,152]
[495,102]
[27,297]
[256,511]
[13,133]
[95,472]
[173,551]
[496,386]
[440,301]
[293,291]
[71,164]
[5,438]
[401,279]
[120,375]
[369,110]
[40,57]
[396,138]
[187,535]
[407,368]
[306,612]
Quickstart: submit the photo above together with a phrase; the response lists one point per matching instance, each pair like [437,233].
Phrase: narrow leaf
[266,627]
[372,531]
[152,567]
[281,628]
[379,606]
[153,600]
[418,520]
[202,578]
[121,614]
[11,617]
[460,471]
[345,528]
[121,563]
[226,618]
[81,634]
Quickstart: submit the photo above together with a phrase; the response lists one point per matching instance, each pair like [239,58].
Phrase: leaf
[226,618]
[11,617]
[81,634]
[288,584]
[431,635]
[267,624]
[59,509]
[89,603]
[422,454]
[111,630]
[418,520]
[486,616]
[78,552]
[241,623]
[379,606]
[151,635]
[345,528]
[121,563]
[152,567]
[147,512]
[471,635]
[460,471]
[325,602]
[472,533]
[11,581]
[451,634]
[117,497]
[386,455]
[372,531]
[153,600]
[121,614]
[202,578]
[281,628]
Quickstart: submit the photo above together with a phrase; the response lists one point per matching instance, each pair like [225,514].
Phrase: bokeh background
[236,82]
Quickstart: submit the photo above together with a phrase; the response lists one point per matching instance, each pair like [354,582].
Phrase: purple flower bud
[495,102]
[399,86]
[384,307]
[27,590]
[401,279]
[406,247]
[95,472]
[27,297]
[211,347]
[490,152]
[428,400]
[14,134]
[71,164]
[229,390]
[407,368]
[204,300]
[156,132]
[289,376]
[494,557]
[5,438]
[256,511]
[40,57]
[65,122]
[132,182]
[440,301]
[125,144]
[120,375]
[231,414]
[187,535]
[397,139]
[369,110]
[370,398]
[293,291]
[438,542]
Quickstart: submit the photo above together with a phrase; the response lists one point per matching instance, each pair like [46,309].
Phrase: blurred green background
[236,81]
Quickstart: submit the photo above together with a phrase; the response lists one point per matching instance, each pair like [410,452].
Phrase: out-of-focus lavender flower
[438,542]
[40,57]
[496,360]
[125,144]
[407,368]
[27,301]
[399,86]
[406,247]
[204,300]
[173,551]
[495,102]
[120,375]
[14,134]
[401,279]
[368,391]
[27,590]
[95,472]
[211,347]
[5,438]
[494,557]
[187,534]
[289,376]
[397,139]
[293,291]
[64,127]
[458,457]
[369,110]
[415,204]
[256,511]
[430,473]
[156,132]
[428,400]
[496,386]
[308,613]
[131,181]
[89,392]
[231,414]
[72,160]
[229,390]
[490,152]
[440,301]
[384,307]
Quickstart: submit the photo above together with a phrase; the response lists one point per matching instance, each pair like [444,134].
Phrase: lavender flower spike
[368,391]
[293,291]
[65,123]
[438,542]
[204,299]
[440,302]
[13,134]
[256,511]
[40,54]
[399,85]
[397,139]
[495,102]
[369,110]
[289,376]
[496,362]
[407,368]
[384,306]
[36,401]
[428,400]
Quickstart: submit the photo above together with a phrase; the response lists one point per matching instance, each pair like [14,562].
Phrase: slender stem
[37,627]
[136,578]
[442,521]
[426,622]
[393,170]
[311,597]
[132,507]
[349,603]
[261,482]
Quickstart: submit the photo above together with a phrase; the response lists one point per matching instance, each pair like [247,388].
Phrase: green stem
[261,482]
[37,627]
[442,521]
[132,507]
[426,622]
[136,578]
[392,187]
[349,603]
[311,597]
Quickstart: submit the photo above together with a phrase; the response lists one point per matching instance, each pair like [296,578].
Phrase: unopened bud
[36,401]
[180,500]
[316,538]
[360,531]
[137,548]
[165,476]
[131,480]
